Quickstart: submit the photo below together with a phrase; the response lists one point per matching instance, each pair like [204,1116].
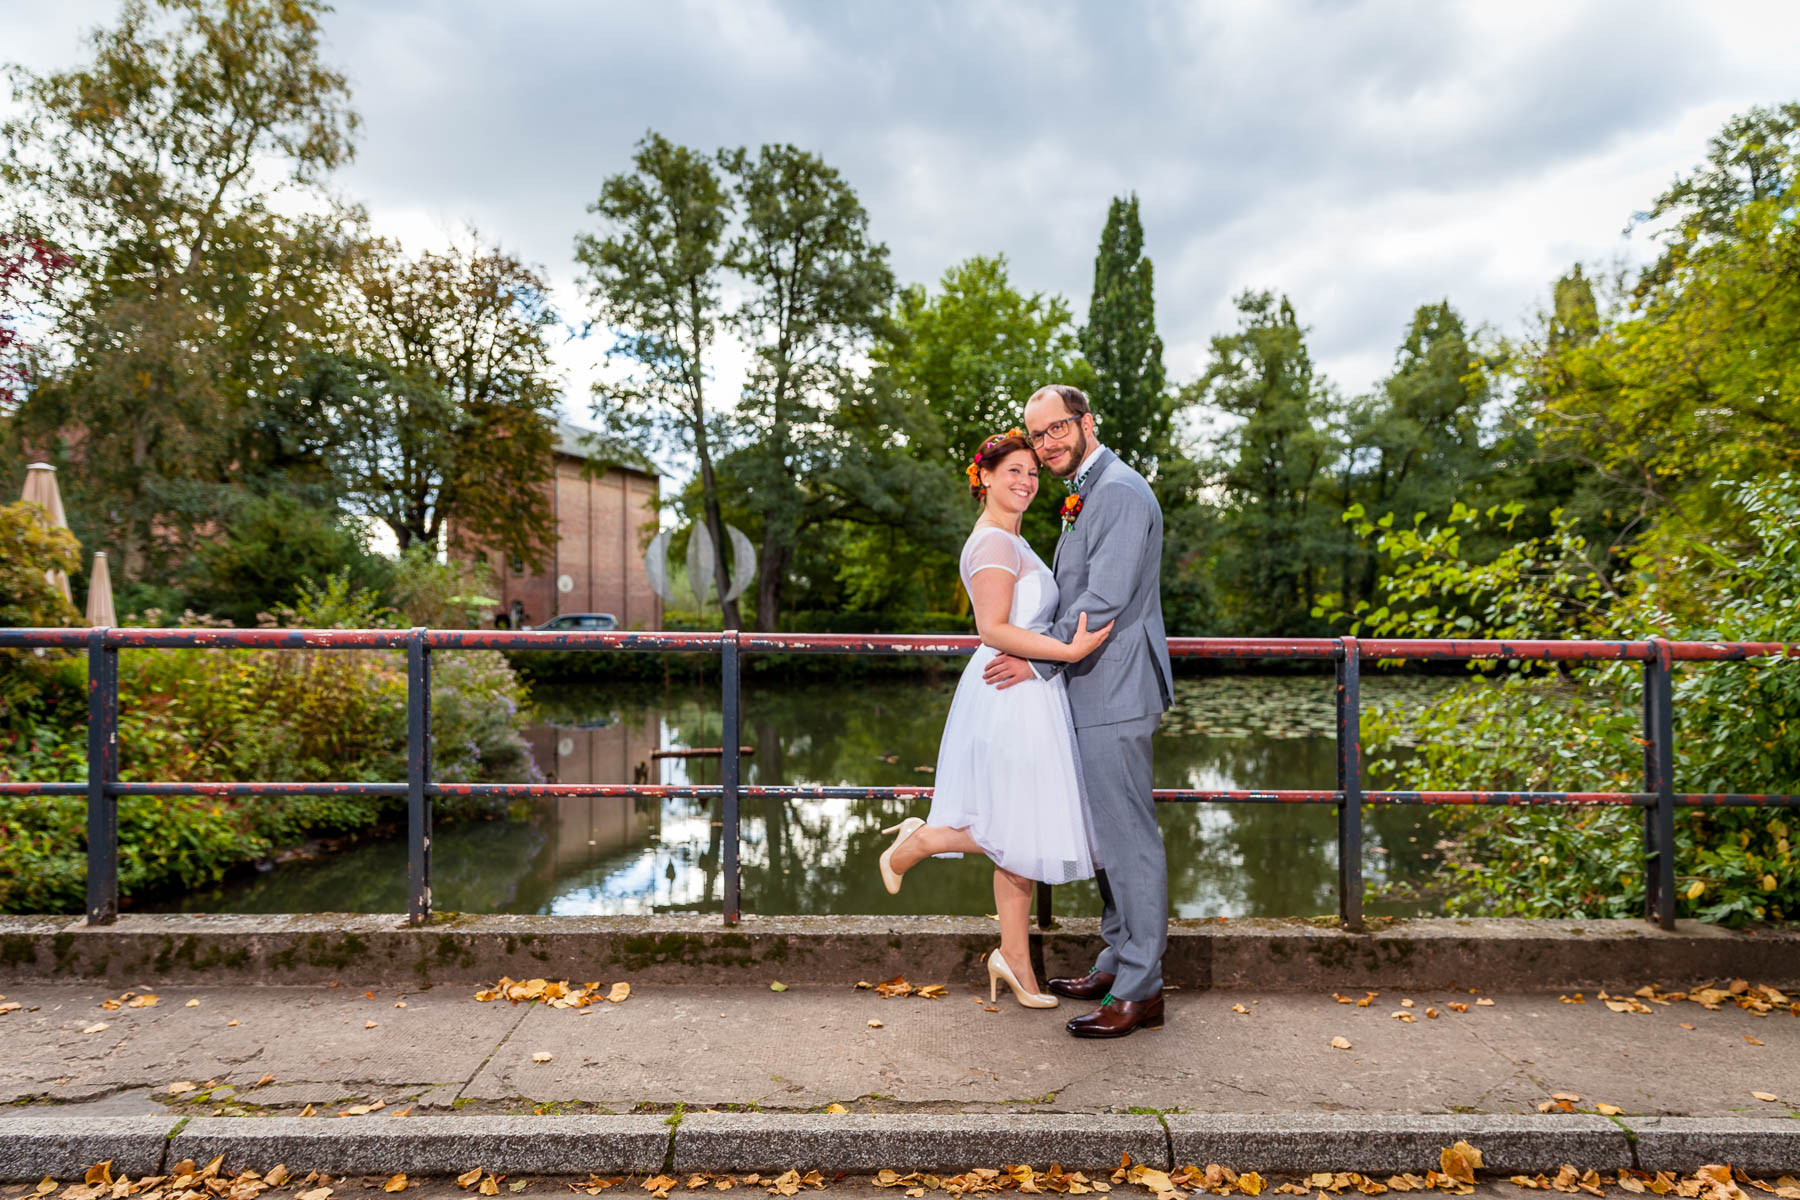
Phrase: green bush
[1737,725]
[241,715]
[272,546]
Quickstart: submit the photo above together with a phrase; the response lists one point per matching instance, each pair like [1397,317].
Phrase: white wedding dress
[1007,768]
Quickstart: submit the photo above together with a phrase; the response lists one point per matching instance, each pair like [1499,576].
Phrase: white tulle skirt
[1007,772]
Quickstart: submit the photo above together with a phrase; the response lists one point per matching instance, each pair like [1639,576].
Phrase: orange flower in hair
[974,468]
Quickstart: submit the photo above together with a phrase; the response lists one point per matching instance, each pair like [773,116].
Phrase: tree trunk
[768,587]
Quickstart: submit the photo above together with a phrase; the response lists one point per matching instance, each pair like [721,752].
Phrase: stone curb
[865,1143]
[32,1147]
[684,949]
[1749,1143]
[430,1145]
[64,1147]
[1388,1145]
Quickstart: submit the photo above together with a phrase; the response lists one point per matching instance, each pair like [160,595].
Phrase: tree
[444,403]
[155,165]
[1280,531]
[819,290]
[28,270]
[653,277]
[1129,390]
[273,546]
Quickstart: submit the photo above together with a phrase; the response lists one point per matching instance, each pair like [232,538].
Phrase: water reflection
[610,855]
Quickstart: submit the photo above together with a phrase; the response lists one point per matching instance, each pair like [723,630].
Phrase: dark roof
[597,448]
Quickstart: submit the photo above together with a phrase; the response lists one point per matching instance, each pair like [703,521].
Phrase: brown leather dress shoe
[1092,986]
[1116,1018]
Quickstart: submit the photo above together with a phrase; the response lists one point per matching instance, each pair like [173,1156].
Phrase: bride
[1007,782]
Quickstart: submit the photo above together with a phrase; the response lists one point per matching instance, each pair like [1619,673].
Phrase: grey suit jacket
[1109,565]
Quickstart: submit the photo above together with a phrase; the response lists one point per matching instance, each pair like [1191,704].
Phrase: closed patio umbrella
[40,488]
[100,601]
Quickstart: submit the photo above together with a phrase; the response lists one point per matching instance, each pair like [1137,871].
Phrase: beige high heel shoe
[999,969]
[906,828]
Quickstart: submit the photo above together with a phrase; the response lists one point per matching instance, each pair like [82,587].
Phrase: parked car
[590,622]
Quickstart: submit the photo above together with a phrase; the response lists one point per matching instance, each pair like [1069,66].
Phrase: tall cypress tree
[1120,342]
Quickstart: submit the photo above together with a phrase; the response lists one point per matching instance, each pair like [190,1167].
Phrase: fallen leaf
[97,1027]
[1460,1162]
[836,1108]
[1753,1041]
[399,1004]
[1484,1002]
[307,1111]
[1766,1096]
[1608,1110]
[1367,1000]
[778,986]
[1402,1015]
[278,1175]
[1685,1025]
[405,1112]
[192,1004]
[316,1194]
[266,1079]
[100,1172]
[490,1186]
[1457,1006]
[370,1024]
[145,1001]
[1406,1004]
[469,1178]
[931,991]
[1431,1013]
[233,1021]
[46,1185]
[619,993]
[543,1056]
[1569,1096]
[1238,1008]
[1342,999]
[180,1087]
[517,1185]
[1340,1043]
[395,1183]
[874,1024]
[356,1110]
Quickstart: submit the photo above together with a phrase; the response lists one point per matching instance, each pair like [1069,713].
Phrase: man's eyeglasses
[1055,429]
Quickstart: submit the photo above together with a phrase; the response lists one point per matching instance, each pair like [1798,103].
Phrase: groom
[1109,566]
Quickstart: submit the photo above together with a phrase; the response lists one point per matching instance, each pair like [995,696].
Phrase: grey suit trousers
[1133,876]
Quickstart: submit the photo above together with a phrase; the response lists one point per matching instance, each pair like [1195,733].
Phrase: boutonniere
[1071,508]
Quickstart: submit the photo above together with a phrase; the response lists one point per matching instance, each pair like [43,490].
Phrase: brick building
[598,564]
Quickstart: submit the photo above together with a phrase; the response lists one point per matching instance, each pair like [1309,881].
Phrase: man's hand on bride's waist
[1004,670]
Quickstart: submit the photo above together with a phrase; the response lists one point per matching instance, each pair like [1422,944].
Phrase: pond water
[608,855]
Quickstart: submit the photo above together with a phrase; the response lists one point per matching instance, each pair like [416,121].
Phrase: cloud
[1362,157]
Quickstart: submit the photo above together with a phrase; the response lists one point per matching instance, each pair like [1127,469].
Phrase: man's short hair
[1073,397]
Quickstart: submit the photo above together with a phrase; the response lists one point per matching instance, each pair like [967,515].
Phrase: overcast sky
[1362,157]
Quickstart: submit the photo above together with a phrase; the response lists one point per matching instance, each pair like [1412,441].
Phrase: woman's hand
[1084,643]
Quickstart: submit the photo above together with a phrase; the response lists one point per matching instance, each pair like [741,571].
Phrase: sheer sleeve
[991,548]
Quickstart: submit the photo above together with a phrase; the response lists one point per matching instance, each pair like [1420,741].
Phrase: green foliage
[30,548]
[1737,725]
[272,546]
[1129,389]
[233,715]
[440,595]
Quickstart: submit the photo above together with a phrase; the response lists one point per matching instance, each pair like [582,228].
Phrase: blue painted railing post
[1350,783]
[418,777]
[102,773]
[1659,780]
[731,721]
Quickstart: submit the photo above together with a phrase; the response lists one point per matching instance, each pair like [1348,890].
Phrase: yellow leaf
[469,1178]
[395,1183]
[836,1108]
[489,1186]
[874,1024]
[1406,1004]
[1696,889]
[100,1172]
[1608,1110]
[97,1027]
[1340,1043]
[1251,1184]
[307,1111]
[233,1021]
[278,1175]
[1238,1008]
[46,1185]
[620,991]
[193,1004]
[542,1056]
[778,986]
[321,1193]
[356,1110]
[1484,1002]
[145,1001]
[370,1024]
[1753,1041]
[931,991]
[1766,1096]
[1569,1096]
[180,1086]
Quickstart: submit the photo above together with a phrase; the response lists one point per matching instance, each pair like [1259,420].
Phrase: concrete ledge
[1753,1144]
[862,1144]
[1266,955]
[64,1147]
[429,1145]
[1389,1144]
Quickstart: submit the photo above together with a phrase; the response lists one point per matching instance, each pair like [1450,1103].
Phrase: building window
[518,565]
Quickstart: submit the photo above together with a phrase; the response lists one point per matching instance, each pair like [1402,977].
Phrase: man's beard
[1077,455]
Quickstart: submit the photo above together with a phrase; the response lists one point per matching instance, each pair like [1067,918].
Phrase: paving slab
[63,1146]
[1752,1144]
[430,1145]
[909,1141]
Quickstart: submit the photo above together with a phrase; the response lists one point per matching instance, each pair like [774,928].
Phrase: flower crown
[974,468]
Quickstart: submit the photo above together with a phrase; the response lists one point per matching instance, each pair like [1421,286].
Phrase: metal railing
[1658,799]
